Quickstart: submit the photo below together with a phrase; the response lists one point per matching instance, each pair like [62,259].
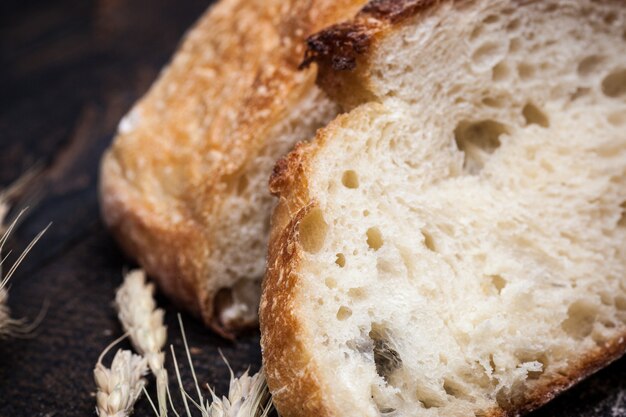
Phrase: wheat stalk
[9,326]
[120,385]
[143,322]
[248,396]
[16,190]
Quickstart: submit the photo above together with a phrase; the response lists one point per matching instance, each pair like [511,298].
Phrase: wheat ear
[143,322]
[121,385]
[248,396]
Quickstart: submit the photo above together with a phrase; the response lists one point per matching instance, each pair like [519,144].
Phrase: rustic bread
[455,245]
[184,185]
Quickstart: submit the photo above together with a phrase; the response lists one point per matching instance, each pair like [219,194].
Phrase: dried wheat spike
[144,323]
[120,386]
[247,397]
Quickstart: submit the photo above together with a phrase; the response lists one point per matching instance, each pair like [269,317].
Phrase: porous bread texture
[183,186]
[458,246]
[237,261]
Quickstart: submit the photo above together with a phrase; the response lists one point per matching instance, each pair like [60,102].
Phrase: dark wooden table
[69,69]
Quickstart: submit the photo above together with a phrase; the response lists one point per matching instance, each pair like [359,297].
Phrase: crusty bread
[184,185]
[455,245]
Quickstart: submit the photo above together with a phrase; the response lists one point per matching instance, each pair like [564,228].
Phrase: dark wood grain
[69,69]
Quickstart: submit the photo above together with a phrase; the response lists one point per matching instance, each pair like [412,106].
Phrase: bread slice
[456,244]
[184,185]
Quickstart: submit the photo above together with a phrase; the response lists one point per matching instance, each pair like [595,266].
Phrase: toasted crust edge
[340,46]
[291,375]
[343,51]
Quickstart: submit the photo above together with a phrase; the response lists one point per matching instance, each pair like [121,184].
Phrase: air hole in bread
[492,102]
[477,140]
[608,324]
[366,213]
[498,282]
[476,32]
[223,299]
[610,18]
[340,260]
[589,65]
[580,319]
[513,25]
[622,220]
[386,358]
[614,84]
[618,118]
[525,71]
[535,365]
[357,293]
[492,363]
[454,389]
[488,54]
[515,45]
[551,8]
[428,399]
[534,116]
[350,179]
[620,303]
[443,359]
[492,18]
[344,313]
[606,298]
[374,238]
[500,72]
[536,371]
[330,283]
[484,134]
[429,242]
[313,231]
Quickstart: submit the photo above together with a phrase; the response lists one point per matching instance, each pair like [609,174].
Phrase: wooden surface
[69,69]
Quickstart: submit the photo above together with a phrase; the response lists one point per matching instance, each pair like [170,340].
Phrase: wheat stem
[188,352]
[8,325]
[183,393]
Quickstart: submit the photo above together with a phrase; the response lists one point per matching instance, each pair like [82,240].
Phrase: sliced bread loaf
[455,245]
[184,185]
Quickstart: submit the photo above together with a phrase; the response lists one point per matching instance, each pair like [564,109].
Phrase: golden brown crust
[342,51]
[553,385]
[179,154]
[287,359]
[338,47]
[285,355]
